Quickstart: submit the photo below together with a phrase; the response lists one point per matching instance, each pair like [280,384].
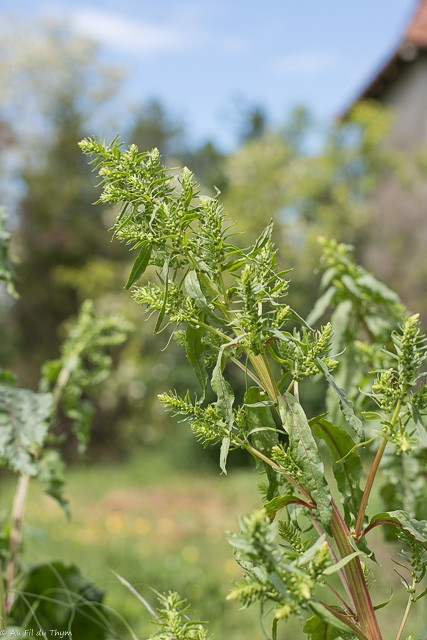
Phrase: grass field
[160,527]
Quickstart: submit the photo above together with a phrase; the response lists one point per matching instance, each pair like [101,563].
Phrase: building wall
[398,249]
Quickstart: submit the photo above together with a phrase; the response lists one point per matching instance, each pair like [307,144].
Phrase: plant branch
[407,610]
[356,580]
[18,509]
[368,489]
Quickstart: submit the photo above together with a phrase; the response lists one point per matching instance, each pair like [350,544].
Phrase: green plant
[50,595]
[228,307]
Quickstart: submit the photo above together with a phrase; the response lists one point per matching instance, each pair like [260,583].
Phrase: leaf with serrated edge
[24,422]
[305,453]
[347,473]
[416,528]
[345,403]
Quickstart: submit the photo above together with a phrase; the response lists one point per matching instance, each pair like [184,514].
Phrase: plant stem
[356,580]
[368,488]
[406,614]
[371,477]
[18,508]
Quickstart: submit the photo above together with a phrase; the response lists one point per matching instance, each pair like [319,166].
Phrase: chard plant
[306,551]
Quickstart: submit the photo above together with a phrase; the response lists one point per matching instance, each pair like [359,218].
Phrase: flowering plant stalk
[305,552]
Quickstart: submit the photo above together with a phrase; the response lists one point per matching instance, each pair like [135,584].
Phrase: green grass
[163,527]
[158,526]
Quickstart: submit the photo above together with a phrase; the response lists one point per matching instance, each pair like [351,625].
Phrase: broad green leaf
[305,453]
[337,620]
[345,402]
[6,267]
[195,350]
[58,597]
[347,473]
[321,306]
[194,290]
[416,528]
[51,471]
[24,422]
[141,263]
[420,430]
[317,629]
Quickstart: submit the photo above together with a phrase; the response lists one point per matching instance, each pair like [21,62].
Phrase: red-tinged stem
[356,580]
[368,489]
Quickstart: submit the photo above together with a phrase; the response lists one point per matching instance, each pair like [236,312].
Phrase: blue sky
[207,58]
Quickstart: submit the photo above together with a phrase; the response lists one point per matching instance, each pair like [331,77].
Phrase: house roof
[414,39]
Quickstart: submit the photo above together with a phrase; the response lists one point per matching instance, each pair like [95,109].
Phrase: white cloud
[130,35]
[306,63]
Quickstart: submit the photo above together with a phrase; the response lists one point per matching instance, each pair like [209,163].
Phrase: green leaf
[260,419]
[58,597]
[264,436]
[347,473]
[141,263]
[321,306]
[329,571]
[195,349]
[345,402]
[279,502]
[224,405]
[194,290]
[25,417]
[419,427]
[165,278]
[224,393]
[317,629]
[223,455]
[416,528]
[337,620]
[305,453]
[50,470]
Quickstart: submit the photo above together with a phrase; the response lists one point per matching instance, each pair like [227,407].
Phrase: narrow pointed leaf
[225,448]
[341,563]
[224,393]
[195,350]
[141,263]
[194,290]
[165,275]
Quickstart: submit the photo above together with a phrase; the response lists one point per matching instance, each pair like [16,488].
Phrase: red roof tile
[414,38]
[416,32]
